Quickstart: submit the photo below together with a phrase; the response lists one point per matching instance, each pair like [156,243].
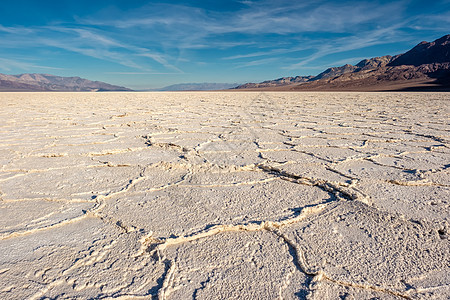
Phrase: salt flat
[215,195]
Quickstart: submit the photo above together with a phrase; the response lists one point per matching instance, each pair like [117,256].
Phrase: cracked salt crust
[224,195]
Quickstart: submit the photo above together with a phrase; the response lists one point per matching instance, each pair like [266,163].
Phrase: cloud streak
[85,41]
[262,17]
[11,64]
[143,73]
[188,28]
[257,62]
[375,37]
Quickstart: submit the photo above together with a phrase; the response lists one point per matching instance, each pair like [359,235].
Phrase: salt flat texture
[224,195]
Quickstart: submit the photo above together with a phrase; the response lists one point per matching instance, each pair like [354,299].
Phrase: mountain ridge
[203,86]
[46,82]
[425,67]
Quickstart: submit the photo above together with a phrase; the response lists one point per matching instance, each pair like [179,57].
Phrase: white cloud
[363,40]
[262,17]
[143,73]
[257,62]
[10,64]
[15,30]
[86,41]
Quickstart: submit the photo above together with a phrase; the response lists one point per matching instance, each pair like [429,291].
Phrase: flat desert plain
[224,195]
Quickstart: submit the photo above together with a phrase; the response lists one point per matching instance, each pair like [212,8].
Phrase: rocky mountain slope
[426,53]
[47,82]
[424,67]
[277,82]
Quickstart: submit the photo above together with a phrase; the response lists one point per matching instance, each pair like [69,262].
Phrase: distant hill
[276,82]
[198,87]
[424,67]
[47,82]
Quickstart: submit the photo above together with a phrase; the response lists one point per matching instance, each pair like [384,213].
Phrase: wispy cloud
[89,42]
[276,51]
[374,37]
[440,21]
[187,28]
[98,45]
[15,30]
[256,54]
[259,17]
[143,73]
[160,59]
[10,64]
[257,62]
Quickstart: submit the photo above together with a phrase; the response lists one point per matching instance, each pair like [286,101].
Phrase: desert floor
[215,195]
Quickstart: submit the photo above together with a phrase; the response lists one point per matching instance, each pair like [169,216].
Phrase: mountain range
[47,82]
[205,86]
[424,67]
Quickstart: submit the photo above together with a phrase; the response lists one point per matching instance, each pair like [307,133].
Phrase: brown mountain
[335,71]
[424,67]
[376,62]
[426,53]
[47,82]
[276,82]
[399,78]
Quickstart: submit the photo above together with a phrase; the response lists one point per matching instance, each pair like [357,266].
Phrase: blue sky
[149,44]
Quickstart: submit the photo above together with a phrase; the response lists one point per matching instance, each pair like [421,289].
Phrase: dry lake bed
[212,195]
